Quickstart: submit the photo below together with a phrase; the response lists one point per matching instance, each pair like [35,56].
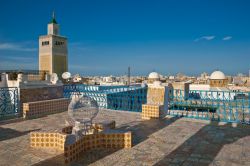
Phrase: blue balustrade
[127,98]
[9,102]
[224,106]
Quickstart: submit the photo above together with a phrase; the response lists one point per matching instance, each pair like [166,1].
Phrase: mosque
[152,77]
[218,79]
[217,82]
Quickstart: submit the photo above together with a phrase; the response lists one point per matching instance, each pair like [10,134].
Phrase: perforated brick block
[152,111]
[45,107]
[106,139]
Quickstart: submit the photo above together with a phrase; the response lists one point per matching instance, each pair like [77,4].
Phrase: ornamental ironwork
[126,98]
[224,106]
[9,102]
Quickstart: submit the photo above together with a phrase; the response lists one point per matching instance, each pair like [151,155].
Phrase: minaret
[53,27]
[53,52]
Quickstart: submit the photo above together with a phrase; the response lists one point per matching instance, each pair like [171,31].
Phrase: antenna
[53,15]
[129,76]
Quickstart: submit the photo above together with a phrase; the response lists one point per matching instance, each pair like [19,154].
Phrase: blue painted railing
[127,98]
[224,106]
[9,102]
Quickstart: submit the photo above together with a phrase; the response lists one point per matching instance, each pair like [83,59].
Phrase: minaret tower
[53,51]
[53,27]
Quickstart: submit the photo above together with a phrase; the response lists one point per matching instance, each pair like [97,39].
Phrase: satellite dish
[54,78]
[66,75]
[76,78]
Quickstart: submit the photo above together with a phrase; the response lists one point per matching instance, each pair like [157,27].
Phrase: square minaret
[53,51]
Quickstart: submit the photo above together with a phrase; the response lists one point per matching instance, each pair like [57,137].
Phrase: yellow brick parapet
[110,139]
[157,103]
[150,111]
[71,150]
[48,140]
[44,107]
[99,126]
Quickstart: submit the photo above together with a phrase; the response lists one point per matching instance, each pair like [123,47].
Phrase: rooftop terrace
[172,141]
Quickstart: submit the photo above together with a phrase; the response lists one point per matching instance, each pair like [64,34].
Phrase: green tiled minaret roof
[53,20]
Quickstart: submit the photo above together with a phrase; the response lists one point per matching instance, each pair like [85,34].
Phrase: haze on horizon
[105,37]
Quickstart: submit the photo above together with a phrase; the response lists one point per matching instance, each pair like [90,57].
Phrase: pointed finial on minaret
[53,14]
[53,18]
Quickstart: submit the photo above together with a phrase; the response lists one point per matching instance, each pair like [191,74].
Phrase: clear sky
[107,36]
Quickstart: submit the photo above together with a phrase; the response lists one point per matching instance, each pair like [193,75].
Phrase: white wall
[205,92]
[199,87]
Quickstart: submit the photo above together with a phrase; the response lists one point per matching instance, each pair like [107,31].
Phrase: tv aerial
[54,78]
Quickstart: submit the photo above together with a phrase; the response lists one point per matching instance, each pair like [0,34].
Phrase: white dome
[217,75]
[154,75]
[157,83]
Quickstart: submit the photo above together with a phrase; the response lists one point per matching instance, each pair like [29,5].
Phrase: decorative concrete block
[45,107]
[152,111]
[157,103]
[113,139]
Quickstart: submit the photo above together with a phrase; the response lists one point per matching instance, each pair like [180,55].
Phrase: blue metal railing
[225,106]
[127,98]
[9,102]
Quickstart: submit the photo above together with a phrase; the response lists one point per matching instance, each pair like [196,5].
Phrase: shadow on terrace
[141,130]
[202,148]
[7,133]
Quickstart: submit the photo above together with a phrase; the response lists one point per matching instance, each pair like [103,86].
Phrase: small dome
[217,75]
[157,83]
[154,75]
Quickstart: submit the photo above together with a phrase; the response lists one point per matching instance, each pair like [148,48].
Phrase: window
[45,43]
[59,43]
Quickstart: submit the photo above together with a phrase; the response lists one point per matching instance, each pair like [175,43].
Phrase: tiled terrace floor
[173,141]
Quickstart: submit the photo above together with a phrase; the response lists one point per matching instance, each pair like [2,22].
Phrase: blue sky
[105,37]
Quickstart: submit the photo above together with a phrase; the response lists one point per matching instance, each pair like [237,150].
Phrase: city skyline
[107,37]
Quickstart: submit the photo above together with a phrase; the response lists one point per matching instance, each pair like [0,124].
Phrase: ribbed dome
[154,75]
[217,75]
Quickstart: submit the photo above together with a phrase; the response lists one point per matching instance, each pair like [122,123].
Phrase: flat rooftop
[172,141]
